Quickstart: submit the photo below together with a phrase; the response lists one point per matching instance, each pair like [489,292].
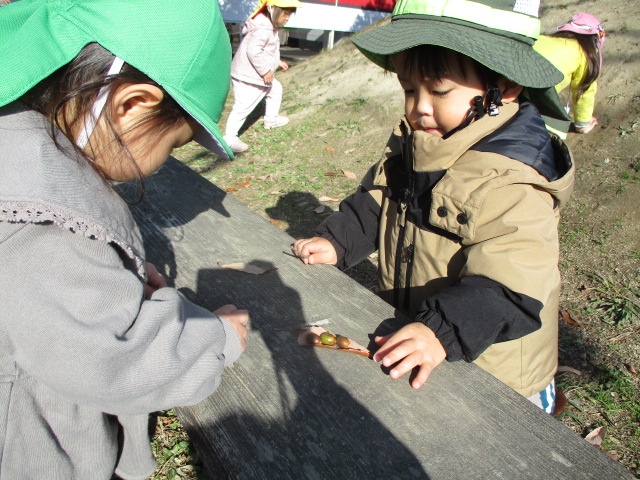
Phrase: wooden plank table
[289,412]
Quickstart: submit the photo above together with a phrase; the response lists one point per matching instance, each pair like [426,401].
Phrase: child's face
[436,106]
[283,17]
[148,154]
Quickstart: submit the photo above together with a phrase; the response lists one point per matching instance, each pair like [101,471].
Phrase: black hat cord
[492,99]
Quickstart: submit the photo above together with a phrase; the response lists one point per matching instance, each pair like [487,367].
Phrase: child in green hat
[463,205]
[93,92]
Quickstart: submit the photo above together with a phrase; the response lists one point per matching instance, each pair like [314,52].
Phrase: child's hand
[588,128]
[413,345]
[315,250]
[237,318]
[155,280]
[284,66]
[268,77]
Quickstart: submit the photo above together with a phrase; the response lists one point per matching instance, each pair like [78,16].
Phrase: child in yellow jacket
[575,48]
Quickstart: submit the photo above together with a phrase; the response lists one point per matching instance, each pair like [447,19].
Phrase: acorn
[313,338]
[328,338]
[343,342]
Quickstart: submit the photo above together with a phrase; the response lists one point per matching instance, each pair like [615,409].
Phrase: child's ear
[132,100]
[509,90]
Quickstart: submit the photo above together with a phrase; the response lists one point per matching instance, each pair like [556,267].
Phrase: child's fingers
[423,374]
[393,350]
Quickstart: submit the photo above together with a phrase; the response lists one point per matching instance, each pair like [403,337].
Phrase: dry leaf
[246,267]
[277,223]
[243,184]
[596,436]
[266,177]
[347,152]
[569,318]
[569,369]
[331,150]
[328,199]
[333,174]
[320,209]
[303,339]
[349,174]
[231,189]
[561,403]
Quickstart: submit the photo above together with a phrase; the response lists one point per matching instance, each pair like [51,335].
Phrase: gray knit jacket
[258,52]
[84,358]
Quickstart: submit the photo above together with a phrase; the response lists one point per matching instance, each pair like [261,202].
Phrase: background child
[91,340]
[463,205]
[254,66]
[575,49]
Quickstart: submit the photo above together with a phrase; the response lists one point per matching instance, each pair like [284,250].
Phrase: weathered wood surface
[289,412]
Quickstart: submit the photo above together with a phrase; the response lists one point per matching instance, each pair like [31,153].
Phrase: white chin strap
[98,106]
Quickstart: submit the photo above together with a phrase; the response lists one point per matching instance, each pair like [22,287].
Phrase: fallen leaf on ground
[243,184]
[320,209]
[231,189]
[569,369]
[246,267]
[351,150]
[349,174]
[561,403]
[596,436]
[277,223]
[568,317]
[331,150]
[324,198]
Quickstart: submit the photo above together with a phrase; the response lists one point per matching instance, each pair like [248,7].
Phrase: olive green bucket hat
[497,33]
[182,45]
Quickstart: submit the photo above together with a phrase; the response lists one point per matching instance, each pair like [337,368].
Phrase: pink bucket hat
[586,24]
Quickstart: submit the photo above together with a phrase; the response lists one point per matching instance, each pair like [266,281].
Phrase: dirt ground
[342,109]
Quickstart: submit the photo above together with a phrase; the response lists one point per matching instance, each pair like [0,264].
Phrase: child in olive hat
[463,207]
[92,92]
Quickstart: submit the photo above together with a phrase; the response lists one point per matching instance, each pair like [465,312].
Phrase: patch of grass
[172,449]
[617,304]
[612,397]
[358,102]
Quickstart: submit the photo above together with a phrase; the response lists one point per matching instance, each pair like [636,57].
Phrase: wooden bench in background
[289,412]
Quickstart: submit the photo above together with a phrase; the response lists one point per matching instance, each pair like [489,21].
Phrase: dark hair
[589,45]
[436,62]
[67,96]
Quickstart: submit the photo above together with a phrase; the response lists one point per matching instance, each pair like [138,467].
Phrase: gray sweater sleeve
[78,323]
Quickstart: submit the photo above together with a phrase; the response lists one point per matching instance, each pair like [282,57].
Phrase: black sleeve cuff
[477,312]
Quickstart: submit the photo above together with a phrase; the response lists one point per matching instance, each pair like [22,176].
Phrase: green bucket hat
[182,45]
[497,33]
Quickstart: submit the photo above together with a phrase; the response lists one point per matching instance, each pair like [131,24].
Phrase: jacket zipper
[404,254]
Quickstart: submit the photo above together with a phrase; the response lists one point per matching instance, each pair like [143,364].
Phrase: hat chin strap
[98,105]
[492,99]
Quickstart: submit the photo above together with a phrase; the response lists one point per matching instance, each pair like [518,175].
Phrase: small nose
[424,104]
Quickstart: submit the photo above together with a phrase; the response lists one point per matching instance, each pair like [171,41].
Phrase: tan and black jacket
[466,230]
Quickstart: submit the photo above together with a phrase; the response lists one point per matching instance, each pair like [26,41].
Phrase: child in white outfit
[253,68]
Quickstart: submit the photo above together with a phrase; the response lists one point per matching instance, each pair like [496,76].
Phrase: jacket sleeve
[78,324]
[584,105]
[353,229]
[257,52]
[510,271]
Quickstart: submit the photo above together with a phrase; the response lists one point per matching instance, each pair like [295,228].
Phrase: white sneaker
[275,122]
[235,144]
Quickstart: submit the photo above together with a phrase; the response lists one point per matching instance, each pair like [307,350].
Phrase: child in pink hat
[575,48]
